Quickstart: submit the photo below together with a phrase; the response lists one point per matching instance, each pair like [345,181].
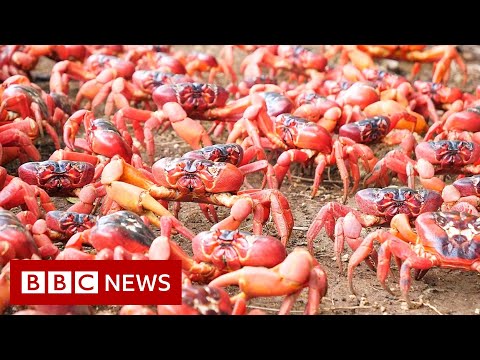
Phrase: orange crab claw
[137,200]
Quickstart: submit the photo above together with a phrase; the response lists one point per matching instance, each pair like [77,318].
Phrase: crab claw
[188,129]
[137,200]
[17,138]
[462,187]
[71,127]
[298,270]
[130,189]
[15,240]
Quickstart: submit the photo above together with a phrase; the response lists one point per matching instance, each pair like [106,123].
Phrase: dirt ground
[439,292]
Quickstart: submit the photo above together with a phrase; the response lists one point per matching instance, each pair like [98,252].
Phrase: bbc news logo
[86,282]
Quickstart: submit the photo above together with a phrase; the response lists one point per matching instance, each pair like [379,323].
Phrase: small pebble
[363,301]
[477,311]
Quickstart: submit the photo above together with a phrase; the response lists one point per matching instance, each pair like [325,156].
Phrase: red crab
[197,62]
[16,141]
[196,300]
[233,154]
[16,242]
[297,271]
[244,86]
[376,206]
[429,96]
[441,55]
[96,71]
[119,93]
[448,240]
[303,141]
[152,59]
[57,177]
[58,52]
[409,119]
[218,251]
[433,157]
[296,59]
[201,181]
[65,178]
[101,136]
[318,109]
[24,99]
[178,104]
[14,61]
[19,193]
[458,124]
[462,195]
[21,59]
[374,129]
[61,225]
[123,233]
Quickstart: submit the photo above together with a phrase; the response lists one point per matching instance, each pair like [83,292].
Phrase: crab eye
[388,195]
[441,220]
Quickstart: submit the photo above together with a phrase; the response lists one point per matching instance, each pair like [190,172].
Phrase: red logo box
[86,282]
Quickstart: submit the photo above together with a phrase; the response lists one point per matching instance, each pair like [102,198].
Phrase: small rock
[391,65]
[458,78]
[363,301]
[477,311]
[345,257]
[382,309]
[468,56]
[176,146]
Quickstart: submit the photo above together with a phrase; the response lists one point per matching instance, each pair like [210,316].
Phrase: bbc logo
[59,282]
[86,282]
